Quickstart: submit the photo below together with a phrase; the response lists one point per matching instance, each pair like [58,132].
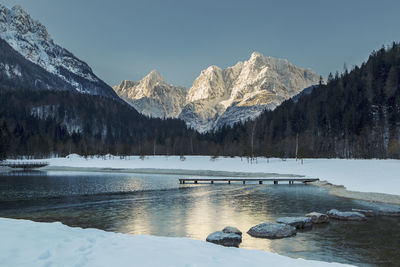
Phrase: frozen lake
[158,205]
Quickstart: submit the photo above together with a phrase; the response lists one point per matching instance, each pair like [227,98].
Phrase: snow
[153,96]
[31,39]
[261,81]
[379,176]
[219,96]
[27,243]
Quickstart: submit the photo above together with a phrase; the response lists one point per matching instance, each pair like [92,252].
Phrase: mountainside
[218,96]
[355,115]
[221,97]
[17,72]
[30,39]
[152,96]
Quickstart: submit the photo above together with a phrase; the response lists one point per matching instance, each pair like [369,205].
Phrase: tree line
[356,114]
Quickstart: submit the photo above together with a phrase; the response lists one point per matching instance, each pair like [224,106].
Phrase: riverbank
[370,180]
[341,191]
[27,243]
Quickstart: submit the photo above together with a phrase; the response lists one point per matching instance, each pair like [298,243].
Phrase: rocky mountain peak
[255,55]
[220,96]
[30,38]
[125,84]
[225,96]
[153,96]
[152,79]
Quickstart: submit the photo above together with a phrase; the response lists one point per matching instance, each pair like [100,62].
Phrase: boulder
[272,230]
[346,215]
[317,217]
[232,230]
[224,239]
[367,213]
[298,222]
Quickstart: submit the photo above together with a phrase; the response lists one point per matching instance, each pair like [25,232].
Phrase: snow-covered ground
[379,176]
[27,243]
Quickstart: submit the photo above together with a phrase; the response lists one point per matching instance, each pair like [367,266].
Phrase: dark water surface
[159,205]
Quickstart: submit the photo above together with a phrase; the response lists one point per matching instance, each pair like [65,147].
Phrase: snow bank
[27,243]
[379,176]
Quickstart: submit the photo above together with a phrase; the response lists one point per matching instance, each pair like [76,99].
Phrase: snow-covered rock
[298,222]
[152,96]
[317,217]
[346,215]
[272,230]
[232,230]
[367,213]
[224,239]
[31,40]
[226,96]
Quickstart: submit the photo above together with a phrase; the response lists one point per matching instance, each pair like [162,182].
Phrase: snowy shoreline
[39,244]
[28,243]
[370,180]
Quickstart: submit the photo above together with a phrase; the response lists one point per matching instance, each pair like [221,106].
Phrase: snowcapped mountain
[225,96]
[30,39]
[218,96]
[152,96]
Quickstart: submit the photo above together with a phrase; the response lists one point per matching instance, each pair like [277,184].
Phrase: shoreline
[341,191]
[168,171]
[333,189]
[61,245]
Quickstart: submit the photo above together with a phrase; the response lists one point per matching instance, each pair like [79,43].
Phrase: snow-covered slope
[225,96]
[152,96]
[30,39]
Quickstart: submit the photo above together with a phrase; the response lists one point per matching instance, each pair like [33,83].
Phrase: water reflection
[158,205]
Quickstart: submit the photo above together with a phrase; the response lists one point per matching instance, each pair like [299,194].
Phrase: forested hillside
[356,114]
[44,122]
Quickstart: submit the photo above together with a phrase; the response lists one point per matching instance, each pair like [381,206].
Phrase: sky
[126,39]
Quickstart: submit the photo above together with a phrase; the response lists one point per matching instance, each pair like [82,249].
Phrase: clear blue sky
[124,39]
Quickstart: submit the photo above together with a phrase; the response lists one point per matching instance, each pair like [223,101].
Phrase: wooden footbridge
[290,180]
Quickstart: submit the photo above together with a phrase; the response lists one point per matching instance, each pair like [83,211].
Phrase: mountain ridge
[30,39]
[153,96]
[220,97]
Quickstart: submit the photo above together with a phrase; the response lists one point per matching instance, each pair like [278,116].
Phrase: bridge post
[229,181]
[195,181]
[212,181]
[244,182]
[275,182]
[259,182]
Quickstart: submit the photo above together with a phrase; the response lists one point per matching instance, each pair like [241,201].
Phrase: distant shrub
[213,157]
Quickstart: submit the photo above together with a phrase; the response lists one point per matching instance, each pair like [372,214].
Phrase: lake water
[159,205]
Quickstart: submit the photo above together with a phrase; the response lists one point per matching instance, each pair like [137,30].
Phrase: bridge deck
[244,180]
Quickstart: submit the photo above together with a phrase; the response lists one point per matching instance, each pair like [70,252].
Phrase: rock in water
[346,215]
[224,239]
[367,213]
[272,230]
[318,217]
[232,230]
[298,222]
